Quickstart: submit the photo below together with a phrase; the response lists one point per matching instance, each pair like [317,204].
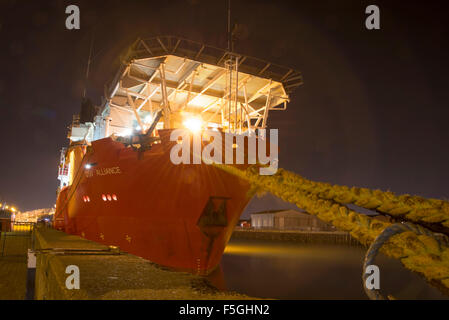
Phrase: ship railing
[194,50]
[18,229]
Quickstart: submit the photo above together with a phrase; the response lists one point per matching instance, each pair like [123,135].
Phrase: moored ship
[118,182]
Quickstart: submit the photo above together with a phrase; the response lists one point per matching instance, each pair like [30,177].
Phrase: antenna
[229,26]
[88,65]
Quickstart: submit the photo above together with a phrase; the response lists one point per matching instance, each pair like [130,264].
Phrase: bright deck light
[148,119]
[125,133]
[193,124]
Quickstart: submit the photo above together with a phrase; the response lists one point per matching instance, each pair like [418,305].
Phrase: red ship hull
[180,216]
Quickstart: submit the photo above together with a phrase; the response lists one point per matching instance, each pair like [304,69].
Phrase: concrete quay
[108,274]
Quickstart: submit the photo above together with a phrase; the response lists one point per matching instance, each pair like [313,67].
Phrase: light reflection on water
[286,270]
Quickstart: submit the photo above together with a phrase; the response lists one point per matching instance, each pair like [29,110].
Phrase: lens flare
[193,124]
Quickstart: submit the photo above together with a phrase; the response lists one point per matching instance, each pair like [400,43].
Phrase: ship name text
[103,171]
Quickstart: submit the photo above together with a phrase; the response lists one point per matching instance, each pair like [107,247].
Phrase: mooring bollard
[31,275]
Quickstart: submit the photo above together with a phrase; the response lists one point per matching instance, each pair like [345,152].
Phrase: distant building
[34,215]
[6,217]
[288,220]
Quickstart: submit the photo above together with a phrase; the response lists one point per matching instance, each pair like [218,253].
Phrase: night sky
[373,110]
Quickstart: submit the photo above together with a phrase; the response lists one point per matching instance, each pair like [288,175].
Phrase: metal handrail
[12,233]
[171,45]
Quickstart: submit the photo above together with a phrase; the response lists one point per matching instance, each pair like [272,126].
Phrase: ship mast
[232,81]
[229,26]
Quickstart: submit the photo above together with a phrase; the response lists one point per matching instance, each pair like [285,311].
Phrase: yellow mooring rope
[432,213]
[423,252]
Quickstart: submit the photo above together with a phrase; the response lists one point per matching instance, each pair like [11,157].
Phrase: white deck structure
[187,80]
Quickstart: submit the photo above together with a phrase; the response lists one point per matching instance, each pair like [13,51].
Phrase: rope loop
[384,236]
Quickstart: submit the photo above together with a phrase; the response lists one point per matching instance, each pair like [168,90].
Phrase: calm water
[293,271]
